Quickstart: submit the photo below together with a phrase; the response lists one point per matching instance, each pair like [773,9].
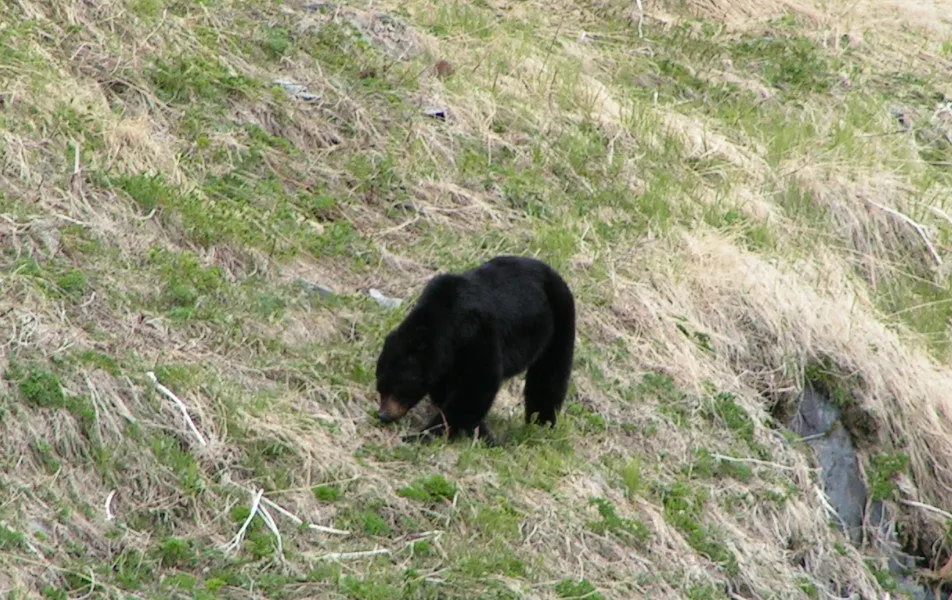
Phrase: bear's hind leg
[547,380]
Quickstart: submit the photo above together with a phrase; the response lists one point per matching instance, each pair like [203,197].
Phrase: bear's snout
[390,410]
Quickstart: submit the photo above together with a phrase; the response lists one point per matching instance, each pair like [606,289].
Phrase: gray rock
[818,420]
[297,90]
[320,290]
[436,113]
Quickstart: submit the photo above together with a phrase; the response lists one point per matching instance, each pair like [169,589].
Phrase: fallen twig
[109,515]
[754,461]
[236,541]
[436,533]
[928,507]
[266,517]
[353,555]
[919,228]
[181,405]
[941,213]
[300,521]
[641,19]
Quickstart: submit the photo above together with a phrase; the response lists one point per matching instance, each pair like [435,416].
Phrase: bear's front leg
[466,394]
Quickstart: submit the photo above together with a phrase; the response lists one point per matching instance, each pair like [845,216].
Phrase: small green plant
[632,477]
[829,379]
[634,531]
[570,589]
[277,42]
[724,408]
[53,593]
[133,569]
[706,592]
[11,540]
[707,466]
[432,490]
[700,338]
[72,284]
[883,469]
[809,588]
[150,192]
[327,493]
[42,388]
[369,588]
[589,420]
[175,552]
[793,64]
[168,451]
[100,361]
[193,78]
[498,521]
[672,402]
[374,524]
[683,508]
[883,577]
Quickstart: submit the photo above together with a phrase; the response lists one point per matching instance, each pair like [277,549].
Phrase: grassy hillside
[197,198]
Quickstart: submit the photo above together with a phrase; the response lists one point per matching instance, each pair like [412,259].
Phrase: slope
[200,202]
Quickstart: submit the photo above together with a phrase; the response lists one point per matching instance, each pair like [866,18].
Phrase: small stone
[444,69]
[297,90]
[436,113]
[385,301]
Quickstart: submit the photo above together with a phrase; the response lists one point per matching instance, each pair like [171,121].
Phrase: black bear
[470,332]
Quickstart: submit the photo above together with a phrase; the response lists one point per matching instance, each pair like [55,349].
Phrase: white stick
[352,555]
[641,19]
[941,213]
[181,405]
[236,541]
[75,158]
[919,228]
[300,521]
[109,515]
[266,516]
[927,507]
[753,461]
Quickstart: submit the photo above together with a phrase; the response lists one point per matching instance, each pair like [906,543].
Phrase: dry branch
[928,508]
[353,555]
[109,515]
[919,228]
[300,521]
[269,521]
[236,541]
[181,405]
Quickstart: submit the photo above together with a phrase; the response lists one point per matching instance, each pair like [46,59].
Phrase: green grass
[683,508]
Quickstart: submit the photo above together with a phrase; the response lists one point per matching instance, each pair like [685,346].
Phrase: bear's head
[402,376]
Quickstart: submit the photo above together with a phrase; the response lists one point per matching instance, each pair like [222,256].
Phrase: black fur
[470,332]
